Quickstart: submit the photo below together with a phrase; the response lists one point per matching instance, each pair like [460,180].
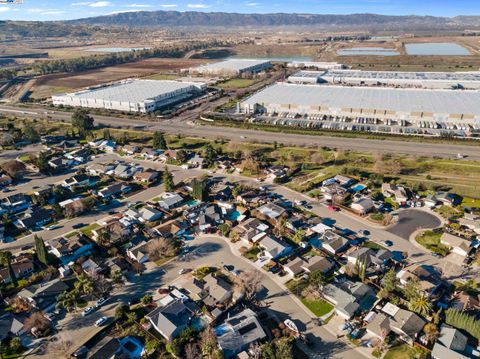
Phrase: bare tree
[191,351]
[14,168]
[160,248]
[36,320]
[251,283]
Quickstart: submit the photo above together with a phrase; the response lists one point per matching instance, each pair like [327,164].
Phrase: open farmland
[46,85]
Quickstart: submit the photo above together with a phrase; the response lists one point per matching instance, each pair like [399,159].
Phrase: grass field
[431,241]
[404,351]
[236,83]
[318,307]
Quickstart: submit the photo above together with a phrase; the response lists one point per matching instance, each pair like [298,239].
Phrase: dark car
[78,225]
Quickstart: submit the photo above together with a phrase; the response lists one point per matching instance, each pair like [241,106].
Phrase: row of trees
[463,321]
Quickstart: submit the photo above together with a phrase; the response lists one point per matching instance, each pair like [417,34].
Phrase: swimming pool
[358,187]
[234,215]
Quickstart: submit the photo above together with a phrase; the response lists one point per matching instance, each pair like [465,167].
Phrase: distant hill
[204,19]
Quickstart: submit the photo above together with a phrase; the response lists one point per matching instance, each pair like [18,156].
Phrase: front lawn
[236,84]
[431,241]
[252,253]
[448,212]
[318,307]
[404,351]
[471,202]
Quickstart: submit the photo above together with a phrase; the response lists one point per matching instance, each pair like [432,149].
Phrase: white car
[87,311]
[183,271]
[101,321]
[99,302]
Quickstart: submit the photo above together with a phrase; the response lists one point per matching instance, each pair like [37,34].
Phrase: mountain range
[222,19]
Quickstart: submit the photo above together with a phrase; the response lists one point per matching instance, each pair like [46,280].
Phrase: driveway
[411,220]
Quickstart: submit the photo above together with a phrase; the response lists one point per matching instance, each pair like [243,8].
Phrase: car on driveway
[101,321]
[87,311]
[332,208]
[387,243]
[184,270]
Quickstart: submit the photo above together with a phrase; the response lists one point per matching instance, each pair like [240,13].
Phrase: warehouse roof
[398,75]
[392,99]
[308,74]
[131,90]
[232,65]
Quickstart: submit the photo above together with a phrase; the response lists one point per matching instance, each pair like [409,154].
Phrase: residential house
[368,257]
[458,245]
[430,201]
[130,149]
[196,161]
[321,228]
[144,214]
[195,288]
[70,249]
[333,191]
[43,296]
[428,280]
[471,221]
[274,248]
[447,198]
[34,218]
[16,202]
[466,302]
[218,290]
[116,189]
[170,200]
[276,173]
[348,297]
[100,169]
[150,153]
[239,332]
[363,206]
[77,181]
[210,217]
[171,228]
[318,263]
[139,252]
[406,324]
[344,181]
[10,325]
[91,267]
[398,193]
[272,211]
[45,191]
[251,230]
[80,156]
[334,243]
[124,171]
[146,177]
[294,267]
[22,267]
[451,344]
[171,319]
[379,327]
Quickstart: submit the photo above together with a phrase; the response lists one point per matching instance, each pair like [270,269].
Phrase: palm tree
[84,284]
[420,304]
[431,332]
[67,300]
[6,260]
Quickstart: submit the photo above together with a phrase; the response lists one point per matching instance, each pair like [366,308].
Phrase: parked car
[101,301]
[184,270]
[87,311]
[80,352]
[101,321]
[332,208]
[387,243]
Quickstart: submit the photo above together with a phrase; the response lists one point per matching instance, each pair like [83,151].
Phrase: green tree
[121,311]
[200,190]
[420,304]
[6,260]
[431,332]
[411,289]
[67,300]
[84,284]
[209,155]
[41,250]
[168,180]
[390,280]
[82,121]
[30,134]
[158,141]
[146,299]
[41,161]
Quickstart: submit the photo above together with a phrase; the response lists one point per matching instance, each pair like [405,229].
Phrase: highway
[182,125]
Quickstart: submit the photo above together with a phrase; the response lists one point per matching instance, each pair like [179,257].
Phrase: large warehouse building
[132,95]
[433,80]
[368,108]
[233,67]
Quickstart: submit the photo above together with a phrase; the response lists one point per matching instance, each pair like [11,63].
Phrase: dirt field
[46,85]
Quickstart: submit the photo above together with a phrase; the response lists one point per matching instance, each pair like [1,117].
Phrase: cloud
[166,6]
[4,9]
[100,4]
[35,10]
[138,5]
[84,3]
[197,6]
[252,4]
[53,12]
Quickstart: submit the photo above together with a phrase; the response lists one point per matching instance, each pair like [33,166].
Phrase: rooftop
[231,65]
[132,90]
[390,99]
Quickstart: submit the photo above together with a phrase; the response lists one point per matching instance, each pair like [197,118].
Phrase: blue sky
[72,9]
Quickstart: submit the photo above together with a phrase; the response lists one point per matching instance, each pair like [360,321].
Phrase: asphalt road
[411,220]
[182,126]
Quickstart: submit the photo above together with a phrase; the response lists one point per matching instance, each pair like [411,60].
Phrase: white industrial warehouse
[369,108]
[233,67]
[317,65]
[433,80]
[132,95]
